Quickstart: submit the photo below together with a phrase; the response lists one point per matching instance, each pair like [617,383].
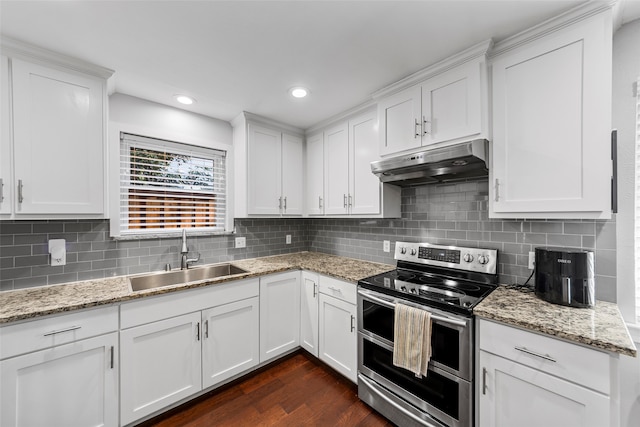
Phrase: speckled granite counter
[41,301]
[601,327]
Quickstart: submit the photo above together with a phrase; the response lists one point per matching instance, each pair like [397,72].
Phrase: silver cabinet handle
[59,331]
[352,322]
[484,380]
[1,190]
[285,203]
[350,200]
[20,196]
[425,122]
[111,365]
[206,328]
[279,203]
[533,353]
[198,331]
[497,190]
[319,202]
[344,200]
[335,289]
[417,132]
[315,290]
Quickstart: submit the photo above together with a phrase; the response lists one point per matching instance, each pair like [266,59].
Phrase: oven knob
[404,288]
[468,257]
[413,252]
[483,259]
[403,250]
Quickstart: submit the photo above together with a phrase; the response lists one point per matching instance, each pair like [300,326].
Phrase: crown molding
[344,115]
[245,116]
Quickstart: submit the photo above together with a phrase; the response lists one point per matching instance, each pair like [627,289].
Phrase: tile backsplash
[445,213]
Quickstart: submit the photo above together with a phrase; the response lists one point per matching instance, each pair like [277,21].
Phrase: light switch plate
[241,242]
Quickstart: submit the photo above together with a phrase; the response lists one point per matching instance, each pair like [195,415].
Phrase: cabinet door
[160,365]
[230,340]
[279,314]
[400,121]
[451,105]
[292,182]
[516,395]
[309,312]
[264,171]
[315,175]
[58,141]
[336,173]
[6,186]
[364,186]
[338,345]
[74,384]
[552,123]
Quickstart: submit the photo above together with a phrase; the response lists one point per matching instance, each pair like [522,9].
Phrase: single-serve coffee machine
[565,276]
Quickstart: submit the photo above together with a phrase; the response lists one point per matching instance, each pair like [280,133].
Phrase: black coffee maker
[565,276]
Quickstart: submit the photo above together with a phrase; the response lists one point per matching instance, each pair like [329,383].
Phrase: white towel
[412,339]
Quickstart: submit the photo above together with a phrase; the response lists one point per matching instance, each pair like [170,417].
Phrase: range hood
[461,161]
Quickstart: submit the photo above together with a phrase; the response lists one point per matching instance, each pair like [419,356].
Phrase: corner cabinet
[268,168]
[309,295]
[448,105]
[530,380]
[345,186]
[551,151]
[61,371]
[54,135]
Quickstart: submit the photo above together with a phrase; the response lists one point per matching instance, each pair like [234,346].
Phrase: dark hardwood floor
[296,391]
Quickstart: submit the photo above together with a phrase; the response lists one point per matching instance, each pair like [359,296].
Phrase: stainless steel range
[447,281]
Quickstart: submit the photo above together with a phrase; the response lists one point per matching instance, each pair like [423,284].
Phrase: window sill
[172,235]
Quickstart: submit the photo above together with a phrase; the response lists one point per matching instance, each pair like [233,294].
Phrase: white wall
[146,118]
[626,69]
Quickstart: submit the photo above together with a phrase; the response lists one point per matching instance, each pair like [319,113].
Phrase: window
[637,214]
[165,186]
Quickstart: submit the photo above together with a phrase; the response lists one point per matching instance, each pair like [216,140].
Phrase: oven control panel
[461,258]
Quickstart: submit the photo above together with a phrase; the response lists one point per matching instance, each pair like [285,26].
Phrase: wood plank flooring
[297,391]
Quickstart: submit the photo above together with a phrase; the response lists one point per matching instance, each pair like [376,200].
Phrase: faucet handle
[196,259]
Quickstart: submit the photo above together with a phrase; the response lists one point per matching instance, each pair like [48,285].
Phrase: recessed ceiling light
[299,92]
[184,99]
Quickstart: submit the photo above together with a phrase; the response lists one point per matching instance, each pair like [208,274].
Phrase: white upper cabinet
[268,175]
[552,122]
[53,138]
[444,103]
[6,186]
[314,173]
[350,189]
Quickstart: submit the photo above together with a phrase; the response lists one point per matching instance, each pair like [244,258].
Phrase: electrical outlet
[57,252]
[386,246]
[532,260]
[241,242]
[288,239]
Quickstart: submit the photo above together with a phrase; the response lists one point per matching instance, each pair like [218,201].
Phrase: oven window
[434,389]
[378,319]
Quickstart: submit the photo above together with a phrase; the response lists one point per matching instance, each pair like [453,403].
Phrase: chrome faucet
[184,262]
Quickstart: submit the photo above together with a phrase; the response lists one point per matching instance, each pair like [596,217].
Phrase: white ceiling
[235,56]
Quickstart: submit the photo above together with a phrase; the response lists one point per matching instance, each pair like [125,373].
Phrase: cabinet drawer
[152,309]
[56,330]
[580,365]
[337,288]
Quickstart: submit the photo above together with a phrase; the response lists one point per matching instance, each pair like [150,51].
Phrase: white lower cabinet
[160,365]
[530,380]
[279,314]
[309,312]
[337,326]
[52,375]
[230,340]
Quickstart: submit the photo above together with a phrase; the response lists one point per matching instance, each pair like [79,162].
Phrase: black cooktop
[448,293]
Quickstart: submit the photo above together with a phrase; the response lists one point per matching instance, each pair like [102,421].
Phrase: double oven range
[447,281]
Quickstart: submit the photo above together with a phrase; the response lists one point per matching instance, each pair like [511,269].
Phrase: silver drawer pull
[533,353]
[59,331]
[335,289]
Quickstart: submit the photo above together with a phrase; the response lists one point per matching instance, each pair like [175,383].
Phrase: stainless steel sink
[160,279]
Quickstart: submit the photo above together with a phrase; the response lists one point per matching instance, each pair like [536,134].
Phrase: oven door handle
[372,387]
[390,304]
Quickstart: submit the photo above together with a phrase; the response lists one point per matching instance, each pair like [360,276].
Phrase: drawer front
[338,289]
[581,365]
[51,331]
[152,309]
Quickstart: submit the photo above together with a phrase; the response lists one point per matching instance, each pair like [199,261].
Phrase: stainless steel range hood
[461,161]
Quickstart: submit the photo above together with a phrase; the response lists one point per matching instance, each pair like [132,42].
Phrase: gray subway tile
[27,261]
[605,262]
[566,240]
[587,228]
[546,227]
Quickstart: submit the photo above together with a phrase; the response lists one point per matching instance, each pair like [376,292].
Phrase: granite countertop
[601,327]
[35,302]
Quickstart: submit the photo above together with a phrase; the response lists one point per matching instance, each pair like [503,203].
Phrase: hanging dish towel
[412,339]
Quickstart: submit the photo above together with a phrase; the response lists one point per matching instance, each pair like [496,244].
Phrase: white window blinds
[167,185]
[637,197]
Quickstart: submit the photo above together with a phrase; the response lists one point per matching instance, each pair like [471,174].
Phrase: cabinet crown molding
[18,49]
[476,51]
[245,116]
[556,23]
